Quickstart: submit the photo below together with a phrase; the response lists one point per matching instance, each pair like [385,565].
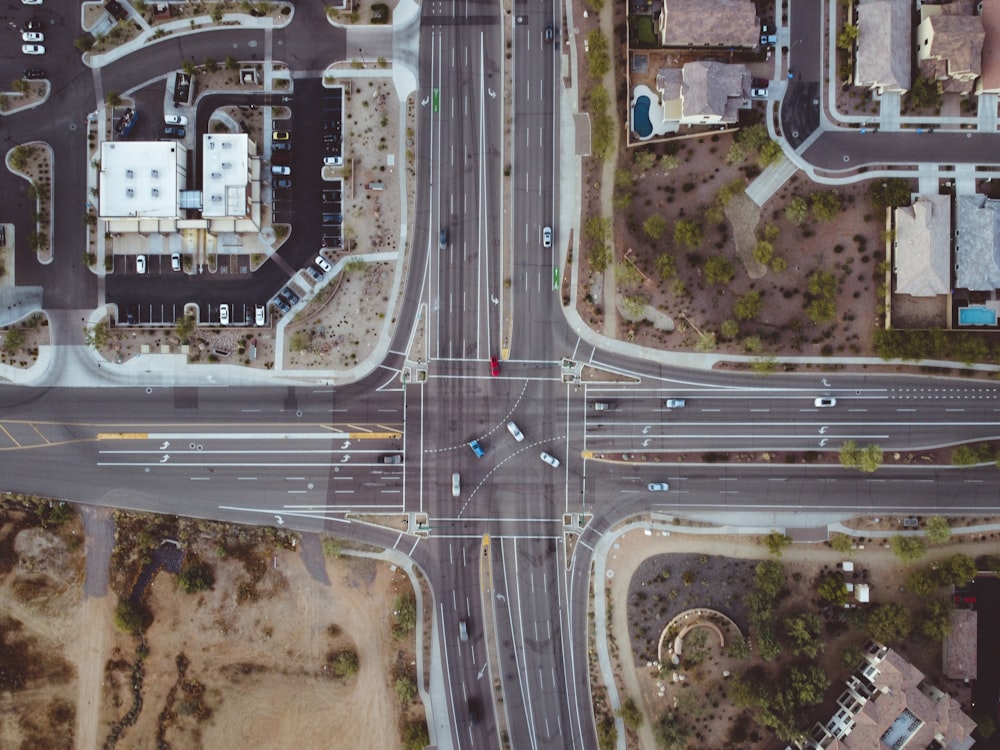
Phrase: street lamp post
[363,63]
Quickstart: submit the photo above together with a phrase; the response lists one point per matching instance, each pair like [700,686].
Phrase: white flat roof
[141,178]
[225,176]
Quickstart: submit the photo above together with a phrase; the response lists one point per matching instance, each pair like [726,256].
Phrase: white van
[456,484]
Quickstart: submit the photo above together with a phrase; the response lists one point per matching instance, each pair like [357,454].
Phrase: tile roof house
[922,249]
[883,48]
[709,23]
[977,243]
[887,704]
[989,80]
[950,50]
[960,646]
[704,92]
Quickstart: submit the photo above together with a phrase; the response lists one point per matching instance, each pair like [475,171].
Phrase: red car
[494,366]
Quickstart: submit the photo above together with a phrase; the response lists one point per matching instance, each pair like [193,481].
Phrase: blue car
[477,449]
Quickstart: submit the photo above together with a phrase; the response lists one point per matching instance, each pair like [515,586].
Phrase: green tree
[654,226]
[211,65]
[889,623]
[217,13]
[404,616]
[957,570]
[938,530]
[847,37]
[851,657]
[633,307]
[890,193]
[776,543]
[769,578]
[98,335]
[670,732]
[13,339]
[925,93]
[768,645]
[128,618]
[730,328]
[807,683]
[688,233]
[20,85]
[415,735]
[749,305]
[669,161]
[195,576]
[344,664]
[232,63]
[598,59]
[185,328]
[803,634]
[821,294]
[825,205]
[763,252]
[666,266]
[922,582]
[631,714]
[986,726]
[644,159]
[113,98]
[84,42]
[841,542]
[832,589]
[935,620]
[909,549]
[770,152]
[753,137]
[406,690]
[719,270]
[797,210]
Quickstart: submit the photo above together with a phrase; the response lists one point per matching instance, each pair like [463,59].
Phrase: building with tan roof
[950,50]
[884,44]
[961,646]
[704,92]
[709,23]
[888,704]
[922,248]
[989,79]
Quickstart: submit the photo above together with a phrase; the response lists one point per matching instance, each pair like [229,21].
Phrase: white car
[223,315]
[824,402]
[278,169]
[513,430]
[675,403]
[140,264]
[175,120]
[547,237]
[32,36]
[31,2]
[456,484]
[32,49]
[260,315]
[550,460]
[658,486]
[323,263]
[333,161]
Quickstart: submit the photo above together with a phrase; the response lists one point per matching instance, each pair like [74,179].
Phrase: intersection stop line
[249,436]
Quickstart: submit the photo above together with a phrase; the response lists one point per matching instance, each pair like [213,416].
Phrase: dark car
[283,182]
[550,33]
[34,74]
[331,196]
[174,131]
[443,239]
[281,304]
[332,219]
[33,25]
[768,35]
[291,296]
[132,314]
[329,240]
[281,146]
[314,272]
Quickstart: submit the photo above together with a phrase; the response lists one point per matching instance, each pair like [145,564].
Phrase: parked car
[291,296]
[281,304]
[279,169]
[32,36]
[758,88]
[329,240]
[332,219]
[33,24]
[314,272]
[223,315]
[513,429]
[174,131]
[323,263]
[280,135]
[32,49]
[283,182]
[140,264]
[333,161]
[260,315]
[175,119]
[281,146]
[331,196]
[175,261]
[34,74]
[550,460]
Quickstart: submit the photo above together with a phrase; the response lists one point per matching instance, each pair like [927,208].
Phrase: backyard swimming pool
[641,123]
[976,315]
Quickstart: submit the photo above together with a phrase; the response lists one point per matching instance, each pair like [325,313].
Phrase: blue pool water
[640,117]
[976,316]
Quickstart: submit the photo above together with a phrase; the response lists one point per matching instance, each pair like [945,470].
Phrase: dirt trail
[94,628]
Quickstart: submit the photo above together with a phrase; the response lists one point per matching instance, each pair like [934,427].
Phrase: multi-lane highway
[311,456]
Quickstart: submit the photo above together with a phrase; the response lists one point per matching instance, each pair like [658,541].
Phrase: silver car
[550,460]
[513,430]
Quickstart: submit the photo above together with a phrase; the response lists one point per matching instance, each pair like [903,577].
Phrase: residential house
[960,646]
[922,247]
[709,23]
[887,703]
[884,44]
[989,80]
[704,92]
[977,243]
[950,50]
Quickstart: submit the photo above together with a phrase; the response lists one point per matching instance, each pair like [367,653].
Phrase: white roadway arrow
[346,445]
[423,102]
[646,442]
[166,444]
[645,430]
[345,459]
[280,520]
[823,429]
[166,457]
[482,672]
[823,442]
[494,300]
[492,93]
[826,383]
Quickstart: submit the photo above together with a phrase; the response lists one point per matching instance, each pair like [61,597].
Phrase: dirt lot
[265,658]
[656,577]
